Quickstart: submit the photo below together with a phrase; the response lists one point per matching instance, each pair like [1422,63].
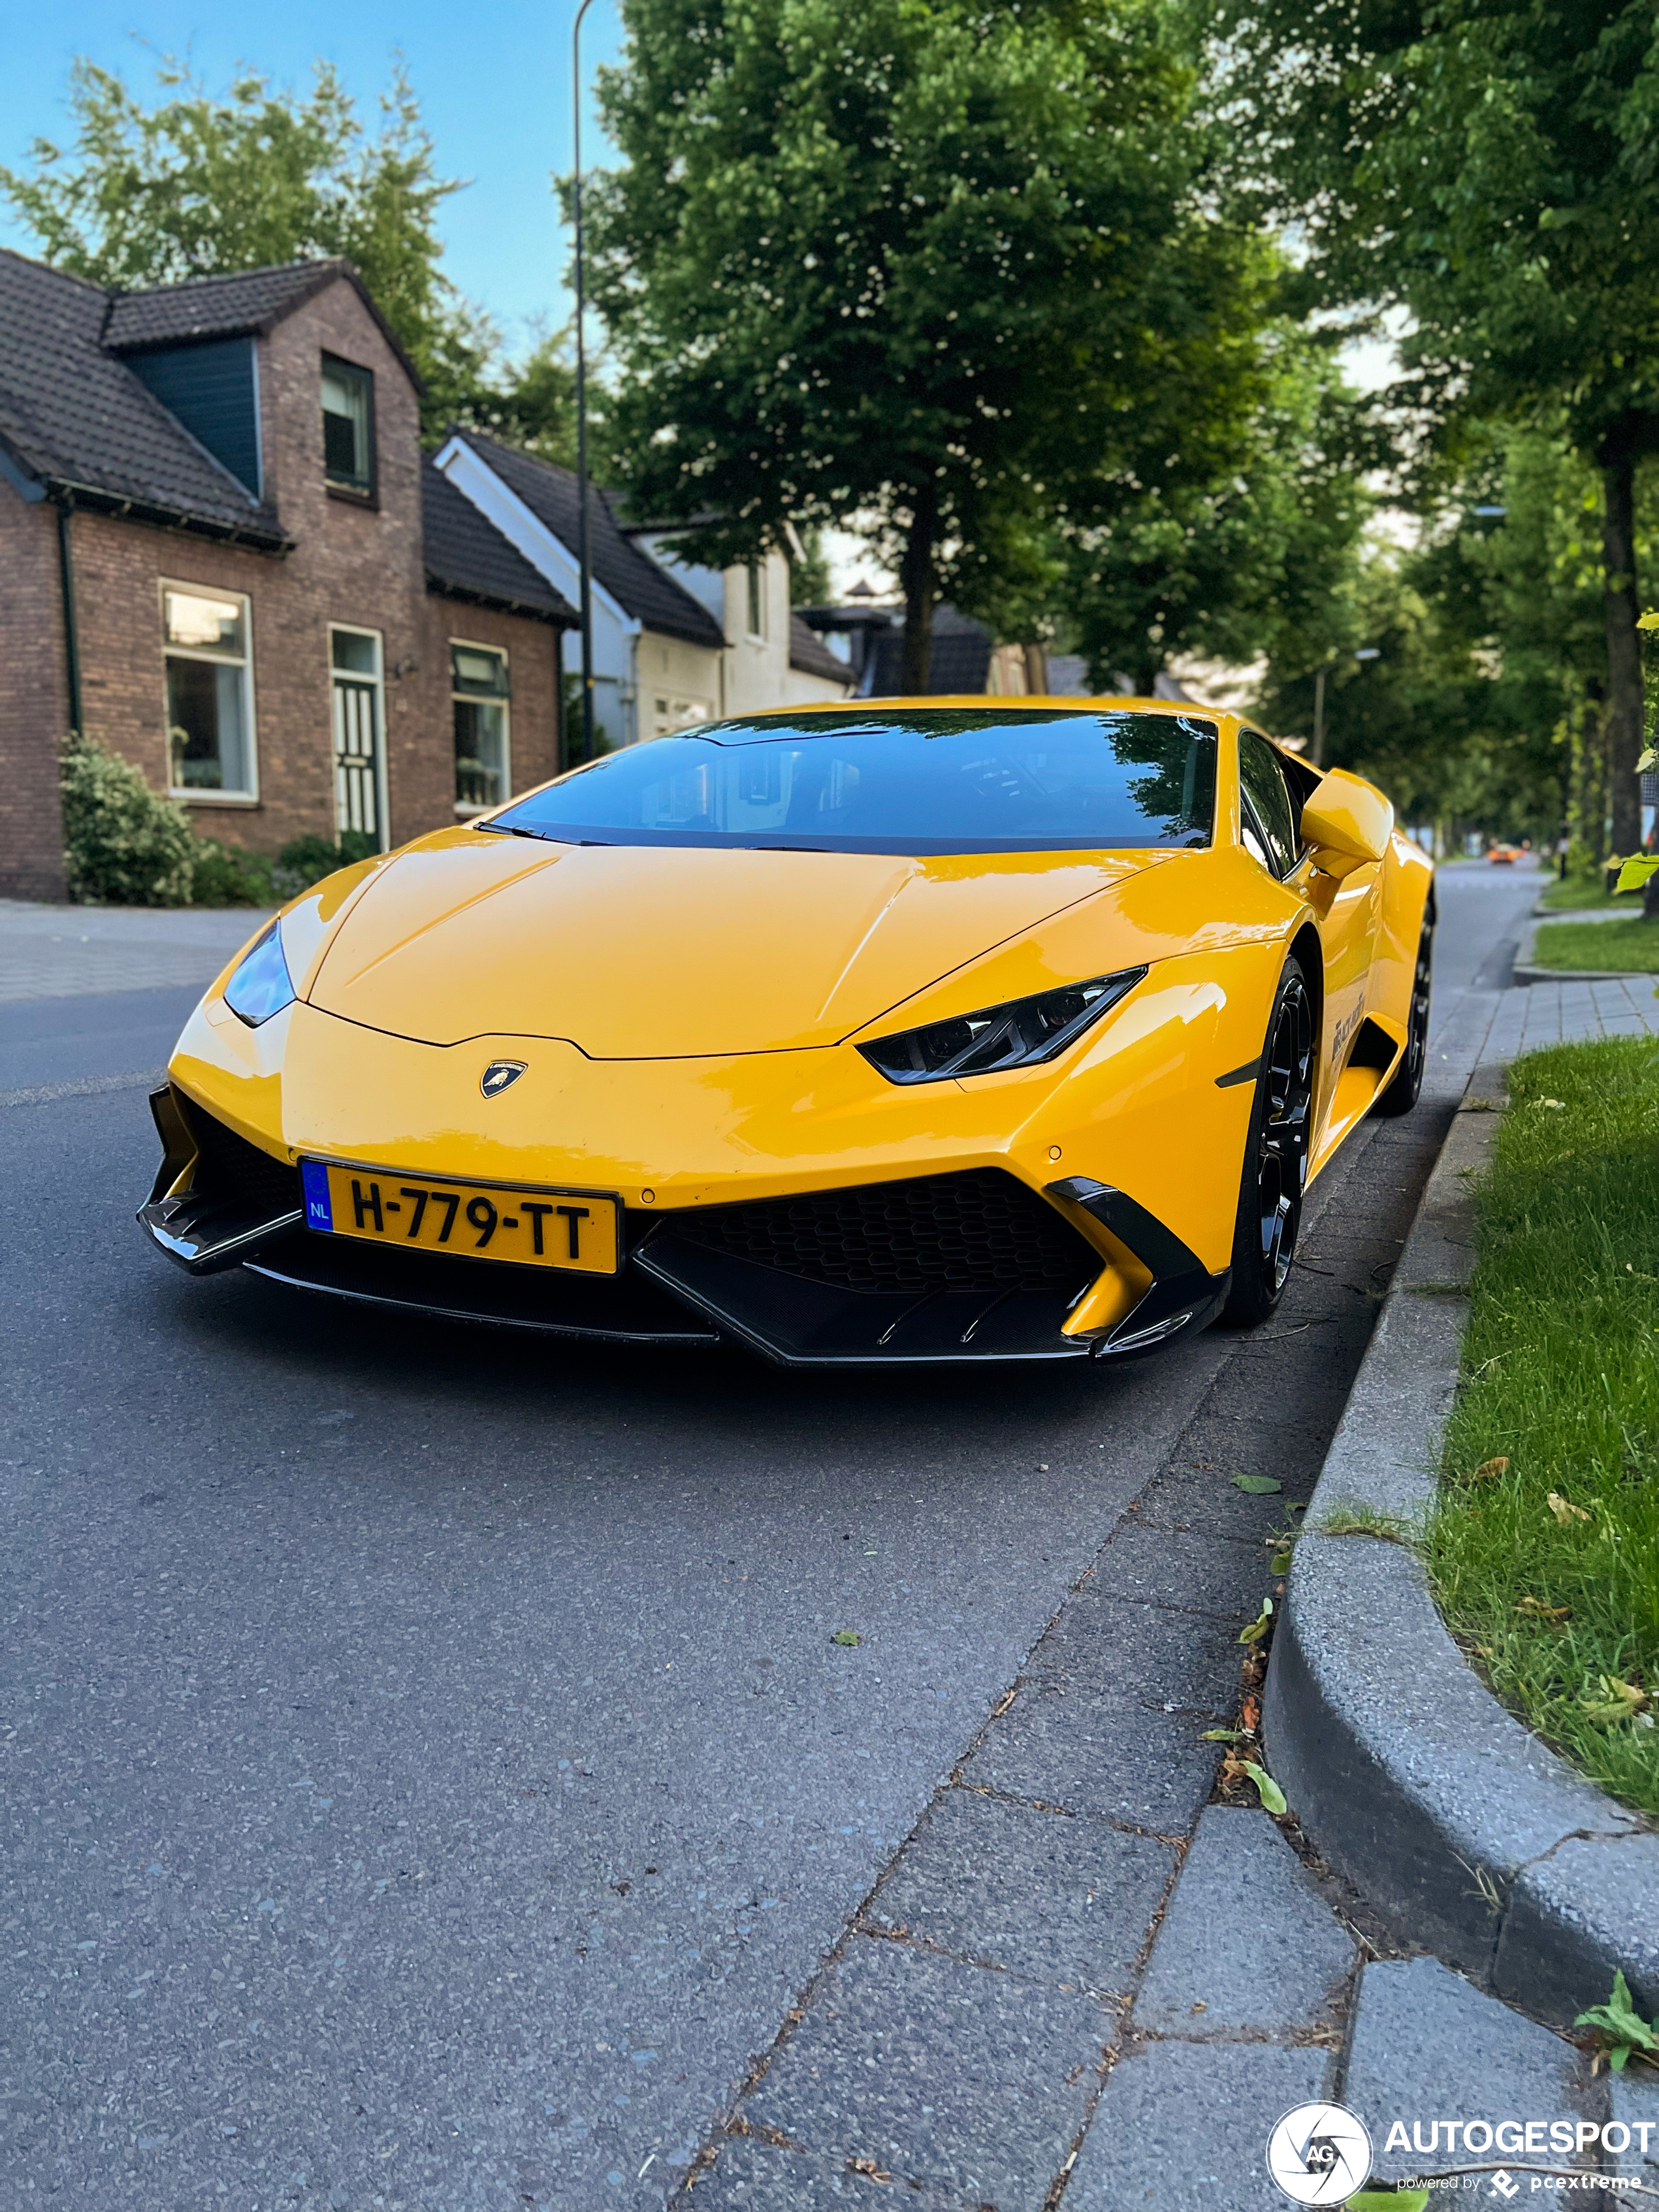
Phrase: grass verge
[1584,892]
[1632,947]
[1544,1547]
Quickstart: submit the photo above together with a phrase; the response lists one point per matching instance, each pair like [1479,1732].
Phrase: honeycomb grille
[980,1230]
[229,1171]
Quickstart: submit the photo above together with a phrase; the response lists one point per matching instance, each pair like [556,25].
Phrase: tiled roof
[812,657]
[467,556]
[215,306]
[641,588]
[960,656]
[74,417]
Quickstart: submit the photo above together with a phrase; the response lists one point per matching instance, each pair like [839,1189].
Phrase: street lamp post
[584,559]
[1366,653]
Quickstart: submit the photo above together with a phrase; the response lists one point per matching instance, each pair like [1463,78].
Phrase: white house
[673,642]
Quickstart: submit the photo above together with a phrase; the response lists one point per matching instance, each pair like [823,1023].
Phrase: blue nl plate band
[320,1211]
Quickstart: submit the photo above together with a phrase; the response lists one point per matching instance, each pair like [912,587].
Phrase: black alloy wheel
[1406,1081]
[1275,1156]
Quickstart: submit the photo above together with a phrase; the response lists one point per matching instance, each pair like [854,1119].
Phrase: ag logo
[501,1075]
[1320,2154]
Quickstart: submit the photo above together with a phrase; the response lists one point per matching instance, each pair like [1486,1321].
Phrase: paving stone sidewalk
[1088,1981]
[72,951]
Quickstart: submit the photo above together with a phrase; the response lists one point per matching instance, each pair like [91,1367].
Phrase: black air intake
[982,1230]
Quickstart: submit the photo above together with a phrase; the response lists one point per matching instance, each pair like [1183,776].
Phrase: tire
[1406,1082]
[1275,1156]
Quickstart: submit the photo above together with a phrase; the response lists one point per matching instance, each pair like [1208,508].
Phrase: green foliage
[1242,544]
[535,407]
[1492,176]
[809,579]
[1548,1561]
[123,844]
[198,184]
[1629,948]
[306,861]
[904,267]
[1622,2029]
[226,875]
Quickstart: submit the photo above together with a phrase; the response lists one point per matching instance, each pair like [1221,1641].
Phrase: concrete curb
[1461,1828]
[1526,974]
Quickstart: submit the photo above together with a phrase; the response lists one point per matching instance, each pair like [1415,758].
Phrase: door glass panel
[1269,795]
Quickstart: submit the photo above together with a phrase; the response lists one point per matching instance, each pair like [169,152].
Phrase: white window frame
[192,794]
[382,797]
[463,812]
[755,600]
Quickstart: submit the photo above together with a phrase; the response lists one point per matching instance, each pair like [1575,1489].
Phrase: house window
[757,600]
[481,689]
[210,692]
[348,427]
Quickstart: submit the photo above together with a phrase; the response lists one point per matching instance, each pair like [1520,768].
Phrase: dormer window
[348,428]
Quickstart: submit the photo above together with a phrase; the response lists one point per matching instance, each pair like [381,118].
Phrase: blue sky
[494,83]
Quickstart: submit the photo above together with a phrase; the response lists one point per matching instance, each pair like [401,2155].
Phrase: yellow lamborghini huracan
[895,1032]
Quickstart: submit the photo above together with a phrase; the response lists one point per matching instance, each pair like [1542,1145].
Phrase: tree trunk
[1623,648]
[1147,680]
[917,578]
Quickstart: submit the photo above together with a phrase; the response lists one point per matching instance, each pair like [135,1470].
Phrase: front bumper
[949,1268]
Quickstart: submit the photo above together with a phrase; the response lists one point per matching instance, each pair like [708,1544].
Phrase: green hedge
[125,846]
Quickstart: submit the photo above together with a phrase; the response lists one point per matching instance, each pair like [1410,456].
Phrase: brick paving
[1085,1981]
[74,951]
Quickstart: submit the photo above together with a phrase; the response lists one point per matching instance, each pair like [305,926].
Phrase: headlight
[261,986]
[1021,1034]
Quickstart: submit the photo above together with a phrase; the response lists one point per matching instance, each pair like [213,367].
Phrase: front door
[358,786]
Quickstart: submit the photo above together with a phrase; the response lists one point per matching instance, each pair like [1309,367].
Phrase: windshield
[917,781]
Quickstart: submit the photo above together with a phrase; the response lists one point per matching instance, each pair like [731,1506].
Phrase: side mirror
[1348,823]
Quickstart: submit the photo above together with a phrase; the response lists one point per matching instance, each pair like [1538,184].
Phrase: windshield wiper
[548,837]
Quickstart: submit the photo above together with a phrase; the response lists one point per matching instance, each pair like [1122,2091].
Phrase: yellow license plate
[571,1229]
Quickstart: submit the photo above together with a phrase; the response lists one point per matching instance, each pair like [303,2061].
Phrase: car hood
[646,953]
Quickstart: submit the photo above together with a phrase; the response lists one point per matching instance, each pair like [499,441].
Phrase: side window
[348,427]
[1269,796]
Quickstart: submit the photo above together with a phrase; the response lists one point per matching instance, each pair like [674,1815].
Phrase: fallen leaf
[1258,1485]
[847,1636]
[1271,1797]
[1614,1700]
[1489,1468]
[1259,1627]
[868,2167]
[1221,1736]
[1559,1104]
[1565,1510]
[1249,1714]
[1279,1564]
[1536,1610]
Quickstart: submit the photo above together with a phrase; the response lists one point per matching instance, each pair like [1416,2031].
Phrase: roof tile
[75,415]
[640,585]
[467,555]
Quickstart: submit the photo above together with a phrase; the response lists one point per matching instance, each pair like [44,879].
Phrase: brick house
[223,553]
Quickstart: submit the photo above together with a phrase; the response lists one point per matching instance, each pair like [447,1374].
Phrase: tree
[1236,548]
[1493,173]
[896,264]
[197,185]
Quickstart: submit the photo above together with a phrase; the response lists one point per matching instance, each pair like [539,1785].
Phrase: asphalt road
[429,1777]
